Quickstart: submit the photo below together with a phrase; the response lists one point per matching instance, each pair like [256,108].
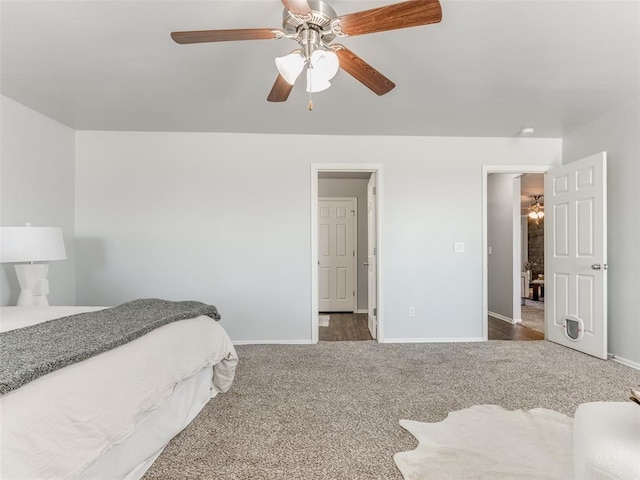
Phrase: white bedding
[58,425]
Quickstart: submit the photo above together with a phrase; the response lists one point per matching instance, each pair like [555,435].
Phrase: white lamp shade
[325,63]
[290,66]
[324,66]
[31,244]
[316,82]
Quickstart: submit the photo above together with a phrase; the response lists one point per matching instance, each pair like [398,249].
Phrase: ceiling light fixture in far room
[24,246]
[526,131]
[536,211]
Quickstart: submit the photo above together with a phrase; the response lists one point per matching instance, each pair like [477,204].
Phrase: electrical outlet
[412,311]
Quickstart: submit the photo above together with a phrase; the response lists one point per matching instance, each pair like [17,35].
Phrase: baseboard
[503,318]
[362,310]
[432,340]
[624,361]
[272,342]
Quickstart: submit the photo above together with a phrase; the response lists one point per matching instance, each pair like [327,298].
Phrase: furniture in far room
[538,289]
[109,415]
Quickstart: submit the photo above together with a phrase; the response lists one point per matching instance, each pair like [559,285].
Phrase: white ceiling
[488,69]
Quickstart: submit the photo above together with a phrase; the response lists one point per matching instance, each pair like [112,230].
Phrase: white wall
[618,134]
[503,236]
[225,218]
[37,186]
[353,187]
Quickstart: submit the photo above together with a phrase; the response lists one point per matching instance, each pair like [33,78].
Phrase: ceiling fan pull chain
[309,81]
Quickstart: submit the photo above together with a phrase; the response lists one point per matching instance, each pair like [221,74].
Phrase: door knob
[596,266]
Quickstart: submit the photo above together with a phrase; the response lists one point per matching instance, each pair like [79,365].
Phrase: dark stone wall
[536,246]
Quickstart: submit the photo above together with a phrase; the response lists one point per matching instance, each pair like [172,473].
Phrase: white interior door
[576,255]
[336,254]
[372,286]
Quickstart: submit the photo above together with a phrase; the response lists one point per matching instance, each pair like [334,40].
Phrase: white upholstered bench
[606,441]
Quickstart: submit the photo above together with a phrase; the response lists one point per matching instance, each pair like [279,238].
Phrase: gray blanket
[34,351]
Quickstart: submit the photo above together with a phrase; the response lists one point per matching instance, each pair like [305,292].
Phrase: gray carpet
[331,411]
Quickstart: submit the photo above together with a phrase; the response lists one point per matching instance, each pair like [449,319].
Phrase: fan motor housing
[320,19]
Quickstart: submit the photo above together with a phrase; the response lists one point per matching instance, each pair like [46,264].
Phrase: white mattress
[58,425]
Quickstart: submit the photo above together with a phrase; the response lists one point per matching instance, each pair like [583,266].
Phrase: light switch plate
[458,247]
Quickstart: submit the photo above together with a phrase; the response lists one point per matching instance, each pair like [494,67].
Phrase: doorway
[532,251]
[508,292]
[362,318]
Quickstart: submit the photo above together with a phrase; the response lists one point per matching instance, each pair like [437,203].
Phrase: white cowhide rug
[489,442]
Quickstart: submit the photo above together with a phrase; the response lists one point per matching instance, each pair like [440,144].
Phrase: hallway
[501,330]
[345,327]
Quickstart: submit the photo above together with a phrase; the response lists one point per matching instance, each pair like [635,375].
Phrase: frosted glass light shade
[290,66]
[316,82]
[326,63]
[324,66]
[31,244]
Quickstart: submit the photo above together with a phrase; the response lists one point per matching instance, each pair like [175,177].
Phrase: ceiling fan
[314,24]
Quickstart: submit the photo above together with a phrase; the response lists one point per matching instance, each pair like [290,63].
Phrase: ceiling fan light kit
[314,24]
[321,66]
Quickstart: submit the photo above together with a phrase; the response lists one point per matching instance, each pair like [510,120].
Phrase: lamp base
[33,284]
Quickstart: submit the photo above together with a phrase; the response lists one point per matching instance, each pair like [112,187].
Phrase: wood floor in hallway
[501,330]
[345,327]
[353,327]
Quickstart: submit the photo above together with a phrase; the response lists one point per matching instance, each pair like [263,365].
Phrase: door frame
[486,170]
[354,261]
[316,168]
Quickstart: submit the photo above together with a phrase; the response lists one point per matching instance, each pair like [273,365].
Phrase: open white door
[372,289]
[576,255]
[336,254]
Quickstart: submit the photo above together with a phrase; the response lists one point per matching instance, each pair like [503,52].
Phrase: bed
[108,416]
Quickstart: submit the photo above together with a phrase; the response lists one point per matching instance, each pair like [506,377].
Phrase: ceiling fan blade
[201,36]
[412,13]
[280,90]
[363,72]
[299,7]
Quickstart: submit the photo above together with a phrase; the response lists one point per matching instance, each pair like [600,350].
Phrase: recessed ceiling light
[526,131]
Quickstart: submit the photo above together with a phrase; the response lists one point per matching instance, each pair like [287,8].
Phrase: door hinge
[375,249]
[374,190]
[375,312]
[354,294]
[354,253]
